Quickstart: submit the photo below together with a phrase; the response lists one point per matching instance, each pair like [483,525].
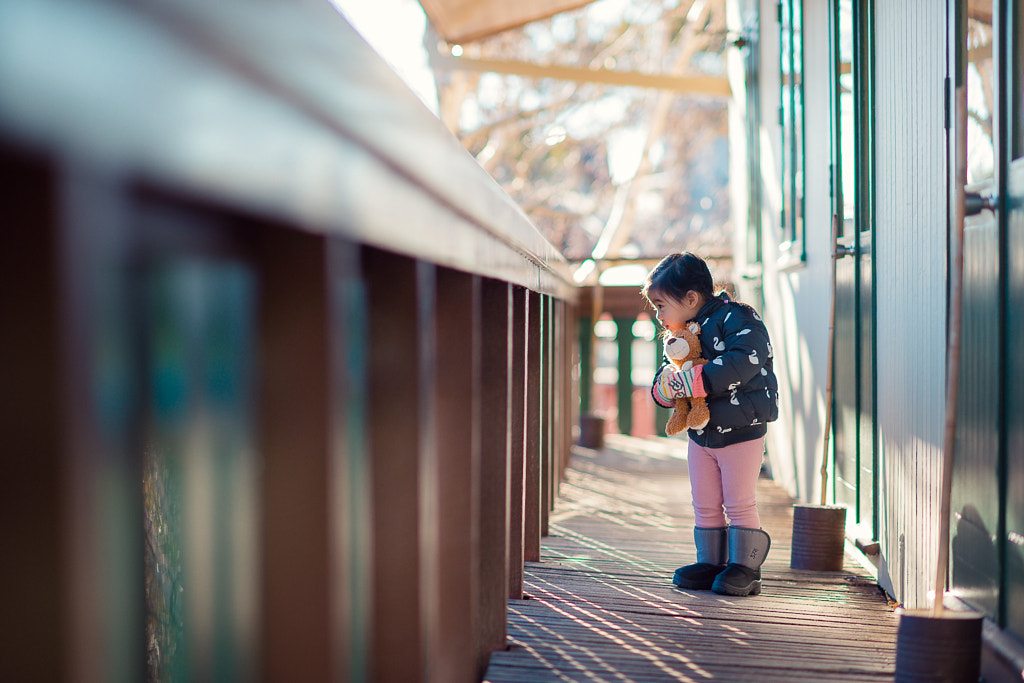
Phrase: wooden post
[546,412]
[551,433]
[586,340]
[495,436]
[574,365]
[624,340]
[32,626]
[295,446]
[562,391]
[453,480]
[517,442]
[395,441]
[534,474]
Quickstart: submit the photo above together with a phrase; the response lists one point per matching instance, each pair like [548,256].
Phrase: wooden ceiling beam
[463,21]
[693,85]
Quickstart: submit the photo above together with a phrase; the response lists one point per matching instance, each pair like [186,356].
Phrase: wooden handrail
[300,118]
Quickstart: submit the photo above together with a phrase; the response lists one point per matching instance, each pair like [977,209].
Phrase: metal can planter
[938,649]
[819,535]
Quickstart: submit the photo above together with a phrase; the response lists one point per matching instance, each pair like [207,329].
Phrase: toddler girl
[724,458]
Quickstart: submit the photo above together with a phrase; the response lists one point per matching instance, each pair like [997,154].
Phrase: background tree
[634,172]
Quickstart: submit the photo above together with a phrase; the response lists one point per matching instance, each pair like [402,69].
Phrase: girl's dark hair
[677,274]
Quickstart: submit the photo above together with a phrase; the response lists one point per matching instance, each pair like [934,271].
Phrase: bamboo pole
[953,359]
[831,360]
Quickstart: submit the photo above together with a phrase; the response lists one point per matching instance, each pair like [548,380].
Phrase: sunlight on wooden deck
[601,606]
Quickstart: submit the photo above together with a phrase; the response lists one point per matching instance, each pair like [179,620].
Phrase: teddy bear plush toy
[682,348]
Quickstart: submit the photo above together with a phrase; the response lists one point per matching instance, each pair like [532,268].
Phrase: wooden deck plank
[601,606]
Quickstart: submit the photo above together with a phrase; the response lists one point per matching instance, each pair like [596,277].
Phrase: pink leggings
[723,482]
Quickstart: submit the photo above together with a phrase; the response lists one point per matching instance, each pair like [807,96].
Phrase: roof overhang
[462,21]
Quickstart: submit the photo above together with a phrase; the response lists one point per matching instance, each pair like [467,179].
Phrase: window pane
[791,118]
[786,115]
[847,140]
[1017,41]
[980,94]
[798,121]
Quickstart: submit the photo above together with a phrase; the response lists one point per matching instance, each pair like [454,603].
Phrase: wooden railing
[288,379]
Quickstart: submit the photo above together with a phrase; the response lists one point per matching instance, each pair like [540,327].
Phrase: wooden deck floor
[601,605]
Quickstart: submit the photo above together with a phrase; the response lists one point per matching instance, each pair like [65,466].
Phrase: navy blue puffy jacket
[742,391]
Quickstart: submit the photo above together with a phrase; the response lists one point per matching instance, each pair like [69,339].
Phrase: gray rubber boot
[747,550]
[712,556]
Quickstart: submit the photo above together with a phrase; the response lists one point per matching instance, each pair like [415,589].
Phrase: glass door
[987,553]
[853,380]
[1012,492]
[975,504]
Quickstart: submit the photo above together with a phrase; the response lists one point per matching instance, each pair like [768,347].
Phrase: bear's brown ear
[694,327]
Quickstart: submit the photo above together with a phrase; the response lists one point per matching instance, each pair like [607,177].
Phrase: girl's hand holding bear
[671,384]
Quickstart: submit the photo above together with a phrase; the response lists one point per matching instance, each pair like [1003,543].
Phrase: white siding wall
[796,299]
[911,286]
[910,259]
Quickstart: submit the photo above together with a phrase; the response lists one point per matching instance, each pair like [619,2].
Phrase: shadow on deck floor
[602,607]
